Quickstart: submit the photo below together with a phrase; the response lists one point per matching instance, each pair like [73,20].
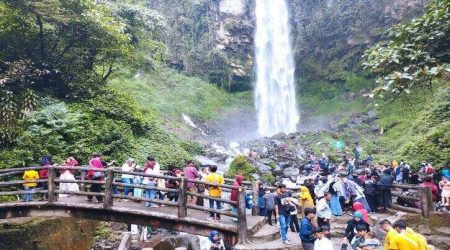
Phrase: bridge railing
[423,198]
[107,184]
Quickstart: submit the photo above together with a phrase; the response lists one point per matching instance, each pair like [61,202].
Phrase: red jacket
[238,183]
[434,189]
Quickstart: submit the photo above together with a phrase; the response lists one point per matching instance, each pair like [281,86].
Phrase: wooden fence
[108,182]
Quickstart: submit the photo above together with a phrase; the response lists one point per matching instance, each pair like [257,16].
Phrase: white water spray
[275,91]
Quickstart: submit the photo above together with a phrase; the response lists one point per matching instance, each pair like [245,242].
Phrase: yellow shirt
[405,241]
[423,245]
[389,237]
[216,179]
[30,175]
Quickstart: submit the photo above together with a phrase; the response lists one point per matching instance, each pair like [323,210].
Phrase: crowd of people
[127,178]
[355,187]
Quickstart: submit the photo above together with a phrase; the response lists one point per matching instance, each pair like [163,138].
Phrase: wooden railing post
[426,201]
[83,185]
[255,187]
[52,197]
[182,198]
[242,218]
[108,199]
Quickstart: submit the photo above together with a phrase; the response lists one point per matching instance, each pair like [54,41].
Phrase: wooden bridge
[178,216]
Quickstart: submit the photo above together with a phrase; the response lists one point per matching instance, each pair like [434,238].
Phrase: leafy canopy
[418,52]
[67,49]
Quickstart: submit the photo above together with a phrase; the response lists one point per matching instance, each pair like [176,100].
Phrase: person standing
[384,186]
[235,193]
[68,174]
[370,189]
[150,168]
[261,206]
[214,191]
[307,229]
[191,173]
[95,164]
[444,184]
[282,210]
[295,227]
[269,203]
[324,211]
[306,200]
[322,242]
[128,166]
[29,176]
[172,184]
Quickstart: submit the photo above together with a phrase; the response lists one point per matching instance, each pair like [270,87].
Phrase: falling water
[275,92]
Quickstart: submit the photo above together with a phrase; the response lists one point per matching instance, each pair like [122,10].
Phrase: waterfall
[275,99]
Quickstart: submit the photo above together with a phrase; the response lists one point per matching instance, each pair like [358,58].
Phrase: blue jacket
[306,231]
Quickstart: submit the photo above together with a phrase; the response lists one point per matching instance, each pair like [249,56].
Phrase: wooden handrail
[156,176]
[213,198]
[22,192]
[405,186]
[80,193]
[157,201]
[79,181]
[7,170]
[13,183]
[142,186]
[212,210]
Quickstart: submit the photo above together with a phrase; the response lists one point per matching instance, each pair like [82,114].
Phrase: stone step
[265,234]
[254,224]
[443,231]
[274,244]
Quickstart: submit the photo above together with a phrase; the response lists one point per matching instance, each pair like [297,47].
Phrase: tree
[64,48]
[418,52]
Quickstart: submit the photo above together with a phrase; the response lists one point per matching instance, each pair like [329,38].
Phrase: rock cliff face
[214,38]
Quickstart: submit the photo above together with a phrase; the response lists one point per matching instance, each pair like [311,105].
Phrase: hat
[358,215]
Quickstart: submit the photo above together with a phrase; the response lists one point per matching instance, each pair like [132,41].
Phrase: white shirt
[147,180]
[323,209]
[127,167]
[323,244]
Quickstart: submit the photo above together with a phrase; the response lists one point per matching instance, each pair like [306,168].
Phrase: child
[215,241]
[444,185]
[30,176]
[215,191]
[359,239]
[322,242]
[370,242]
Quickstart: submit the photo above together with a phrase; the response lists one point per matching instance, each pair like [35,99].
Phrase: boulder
[372,114]
[277,170]
[263,168]
[291,171]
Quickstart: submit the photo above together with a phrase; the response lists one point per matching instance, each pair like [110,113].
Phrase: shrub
[241,166]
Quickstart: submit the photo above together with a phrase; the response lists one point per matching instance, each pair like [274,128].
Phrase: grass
[335,105]
[171,93]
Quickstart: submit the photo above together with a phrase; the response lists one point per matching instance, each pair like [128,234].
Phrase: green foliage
[172,93]
[241,166]
[64,48]
[62,131]
[418,131]
[417,53]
